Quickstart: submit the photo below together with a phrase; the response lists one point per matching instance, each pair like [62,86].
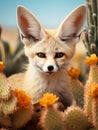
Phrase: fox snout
[50,68]
[47,65]
[49,62]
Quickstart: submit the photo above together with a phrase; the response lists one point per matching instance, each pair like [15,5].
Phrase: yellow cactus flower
[92,60]
[1,66]
[93,90]
[23,100]
[74,73]
[48,99]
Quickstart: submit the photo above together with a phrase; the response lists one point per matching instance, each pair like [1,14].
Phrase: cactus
[75,119]
[15,106]
[2,53]
[4,87]
[16,111]
[21,117]
[78,92]
[4,119]
[90,37]
[9,106]
[92,78]
[93,75]
[50,115]
[52,120]
[87,103]
[93,93]
[76,86]
[95,112]
[17,59]
[24,110]
[92,62]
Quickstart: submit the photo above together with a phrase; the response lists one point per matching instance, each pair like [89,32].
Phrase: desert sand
[10,35]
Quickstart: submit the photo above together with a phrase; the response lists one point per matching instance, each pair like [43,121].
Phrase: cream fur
[37,80]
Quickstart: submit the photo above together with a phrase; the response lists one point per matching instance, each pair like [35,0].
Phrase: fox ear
[29,27]
[72,26]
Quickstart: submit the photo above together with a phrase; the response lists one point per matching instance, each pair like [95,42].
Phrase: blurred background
[49,12]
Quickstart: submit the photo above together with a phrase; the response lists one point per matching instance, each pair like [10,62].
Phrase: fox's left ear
[72,25]
[29,26]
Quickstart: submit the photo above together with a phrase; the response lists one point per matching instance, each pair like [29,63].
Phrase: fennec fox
[49,53]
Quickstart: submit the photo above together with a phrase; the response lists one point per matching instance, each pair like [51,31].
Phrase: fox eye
[41,55]
[59,55]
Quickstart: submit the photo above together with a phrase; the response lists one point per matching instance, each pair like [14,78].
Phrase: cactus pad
[21,117]
[75,119]
[4,88]
[78,92]
[52,120]
[9,106]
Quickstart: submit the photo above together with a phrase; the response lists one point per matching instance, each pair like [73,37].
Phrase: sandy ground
[10,35]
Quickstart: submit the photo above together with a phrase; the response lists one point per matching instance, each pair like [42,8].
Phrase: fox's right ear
[72,26]
[29,26]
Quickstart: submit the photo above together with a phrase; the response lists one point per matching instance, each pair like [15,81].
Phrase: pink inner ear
[78,21]
[24,25]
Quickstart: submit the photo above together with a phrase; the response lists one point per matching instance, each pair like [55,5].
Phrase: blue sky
[49,12]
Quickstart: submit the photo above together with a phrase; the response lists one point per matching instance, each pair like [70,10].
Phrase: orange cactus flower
[93,90]
[1,66]
[74,73]
[23,100]
[92,60]
[48,99]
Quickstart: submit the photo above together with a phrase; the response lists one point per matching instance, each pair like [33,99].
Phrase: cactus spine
[91,36]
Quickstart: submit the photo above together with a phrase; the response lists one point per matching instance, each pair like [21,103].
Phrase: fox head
[50,50]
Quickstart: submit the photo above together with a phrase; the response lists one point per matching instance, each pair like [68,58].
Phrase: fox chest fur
[57,84]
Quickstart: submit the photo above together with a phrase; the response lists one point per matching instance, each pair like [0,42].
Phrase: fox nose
[50,67]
